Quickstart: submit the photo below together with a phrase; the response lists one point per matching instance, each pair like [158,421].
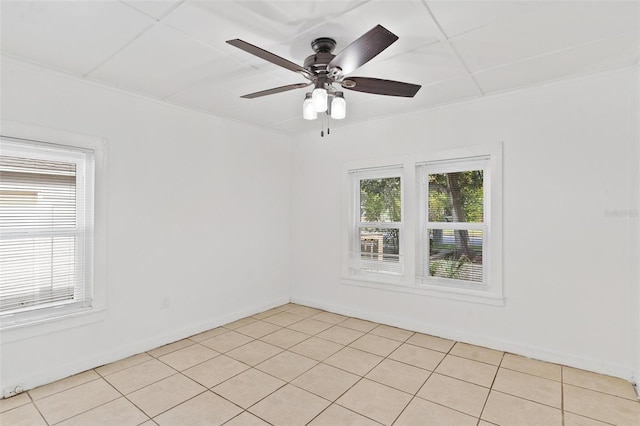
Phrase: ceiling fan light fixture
[338,106]
[308,110]
[319,98]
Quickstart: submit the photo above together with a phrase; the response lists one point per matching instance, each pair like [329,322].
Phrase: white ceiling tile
[610,53]
[73,36]
[163,61]
[425,65]
[153,8]
[558,25]
[220,96]
[457,17]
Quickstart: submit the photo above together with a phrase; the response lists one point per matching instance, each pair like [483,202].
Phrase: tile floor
[295,365]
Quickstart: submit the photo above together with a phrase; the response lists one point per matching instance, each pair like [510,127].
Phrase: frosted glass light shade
[308,110]
[319,98]
[338,107]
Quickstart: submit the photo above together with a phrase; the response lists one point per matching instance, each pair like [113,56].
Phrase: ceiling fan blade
[362,50]
[268,56]
[276,90]
[381,87]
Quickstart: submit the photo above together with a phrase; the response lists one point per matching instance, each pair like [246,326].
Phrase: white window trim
[29,326]
[410,281]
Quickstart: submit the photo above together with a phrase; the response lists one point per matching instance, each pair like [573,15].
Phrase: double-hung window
[430,225]
[455,229]
[46,229]
[377,240]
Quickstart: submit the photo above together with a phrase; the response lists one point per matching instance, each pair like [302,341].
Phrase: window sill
[25,328]
[452,293]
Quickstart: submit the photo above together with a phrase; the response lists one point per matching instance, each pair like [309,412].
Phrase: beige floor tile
[284,319]
[119,412]
[25,415]
[601,406]
[240,323]
[354,360]
[456,394]
[318,349]
[289,405]
[394,333]
[359,324]
[468,370]
[285,338]
[336,415]
[286,365]
[64,384]
[341,335]
[71,402]
[399,375]
[227,341]
[477,353]
[215,371]
[7,404]
[149,423]
[246,419]
[171,347]
[417,356]
[505,409]
[598,382]
[304,311]
[310,326]
[485,423]
[248,387]
[139,376]
[533,388]
[376,401]
[267,313]
[205,409]
[123,363]
[326,381]
[431,342]
[421,412]
[571,419]
[532,366]
[329,317]
[188,357]
[208,334]
[165,394]
[375,344]
[258,329]
[254,352]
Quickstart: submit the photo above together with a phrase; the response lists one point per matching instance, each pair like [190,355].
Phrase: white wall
[570,275]
[198,211]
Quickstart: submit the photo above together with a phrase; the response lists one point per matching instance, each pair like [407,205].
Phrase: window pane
[381,244]
[380,200]
[456,197]
[456,254]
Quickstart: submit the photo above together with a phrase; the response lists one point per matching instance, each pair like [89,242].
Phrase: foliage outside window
[378,222]
[455,229]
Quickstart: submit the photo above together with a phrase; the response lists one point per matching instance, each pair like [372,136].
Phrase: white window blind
[46,223]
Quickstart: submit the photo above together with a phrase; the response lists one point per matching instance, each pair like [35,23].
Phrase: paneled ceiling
[175,51]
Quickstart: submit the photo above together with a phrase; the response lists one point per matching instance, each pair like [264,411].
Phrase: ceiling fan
[323,69]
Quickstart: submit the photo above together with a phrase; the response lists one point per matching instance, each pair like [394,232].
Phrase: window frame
[412,281]
[81,231]
[374,268]
[22,325]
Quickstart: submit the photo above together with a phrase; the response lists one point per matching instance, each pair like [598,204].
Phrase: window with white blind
[46,228]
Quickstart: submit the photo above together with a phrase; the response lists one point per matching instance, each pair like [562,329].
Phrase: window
[46,229]
[428,224]
[376,244]
[453,219]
